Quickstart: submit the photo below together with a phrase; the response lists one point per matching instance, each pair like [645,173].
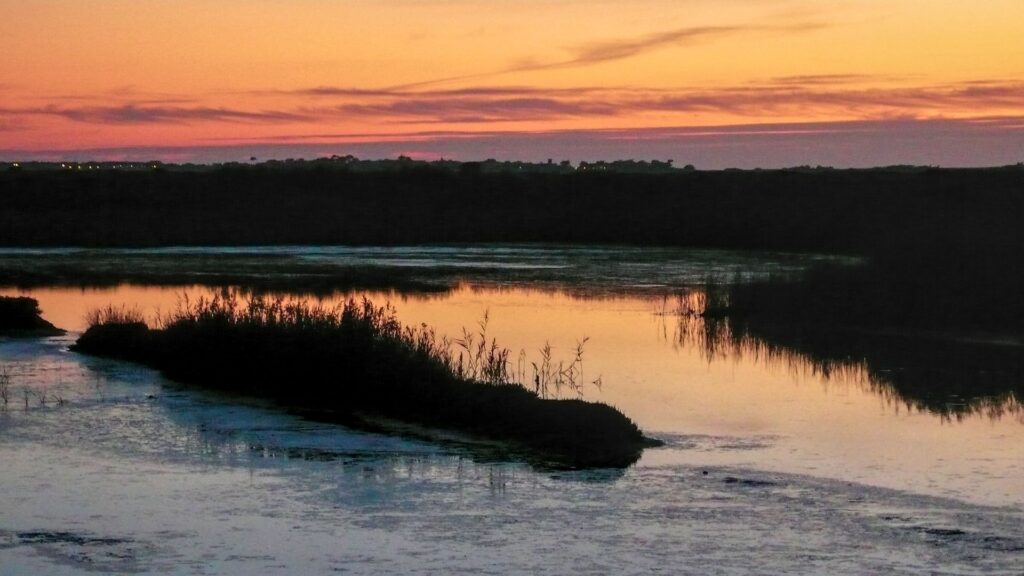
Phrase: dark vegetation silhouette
[944,245]
[359,360]
[849,211]
[952,374]
[20,316]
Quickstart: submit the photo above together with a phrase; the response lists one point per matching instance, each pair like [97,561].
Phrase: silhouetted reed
[358,358]
[112,315]
[5,386]
[948,374]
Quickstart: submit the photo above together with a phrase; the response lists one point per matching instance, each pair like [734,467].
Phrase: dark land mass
[943,245]
[21,317]
[359,360]
[322,203]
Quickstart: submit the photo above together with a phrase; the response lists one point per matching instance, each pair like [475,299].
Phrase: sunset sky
[713,83]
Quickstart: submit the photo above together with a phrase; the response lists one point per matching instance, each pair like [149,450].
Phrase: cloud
[763,130]
[105,98]
[826,79]
[397,92]
[461,109]
[810,97]
[607,51]
[149,114]
[604,51]
[833,95]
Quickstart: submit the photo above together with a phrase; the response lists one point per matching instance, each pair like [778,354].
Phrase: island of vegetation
[359,361]
[20,317]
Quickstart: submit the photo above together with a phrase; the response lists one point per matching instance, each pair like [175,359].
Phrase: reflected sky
[584,270]
[735,408]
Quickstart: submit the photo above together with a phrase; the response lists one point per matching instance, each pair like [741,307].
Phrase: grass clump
[20,316]
[112,315]
[5,387]
[358,358]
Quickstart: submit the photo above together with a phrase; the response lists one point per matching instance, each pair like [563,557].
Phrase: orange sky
[936,81]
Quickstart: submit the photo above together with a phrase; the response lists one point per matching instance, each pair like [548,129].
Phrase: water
[768,466]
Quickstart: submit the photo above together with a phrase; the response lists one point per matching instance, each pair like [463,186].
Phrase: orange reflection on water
[737,407]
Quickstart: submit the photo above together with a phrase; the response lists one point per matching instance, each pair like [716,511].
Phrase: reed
[5,386]
[114,315]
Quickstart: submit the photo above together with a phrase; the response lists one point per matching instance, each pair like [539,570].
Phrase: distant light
[16,164]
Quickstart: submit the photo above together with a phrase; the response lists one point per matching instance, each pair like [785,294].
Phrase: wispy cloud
[397,92]
[810,97]
[482,109]
[611,50]
[836,95]
[827,79]
[605,51]
[666,133]
[149,114]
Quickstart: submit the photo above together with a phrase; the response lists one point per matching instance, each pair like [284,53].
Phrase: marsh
[768,449]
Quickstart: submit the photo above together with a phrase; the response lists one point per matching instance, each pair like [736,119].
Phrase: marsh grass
[947,373]
[359,358]
[5,386]
[114,315]
[21,316]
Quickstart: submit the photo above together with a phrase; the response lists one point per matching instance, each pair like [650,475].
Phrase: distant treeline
[875,212]
[352,164]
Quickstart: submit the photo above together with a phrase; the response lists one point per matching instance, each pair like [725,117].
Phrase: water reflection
[322,271]
[950,376]
[752,405]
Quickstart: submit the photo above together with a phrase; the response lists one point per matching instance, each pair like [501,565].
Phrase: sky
[714,83]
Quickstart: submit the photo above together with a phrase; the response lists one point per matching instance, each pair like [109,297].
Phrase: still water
[769,464]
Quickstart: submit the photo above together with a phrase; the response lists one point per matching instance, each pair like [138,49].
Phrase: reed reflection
[952,377]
